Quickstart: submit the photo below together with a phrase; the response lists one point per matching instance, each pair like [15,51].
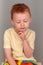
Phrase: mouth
[22,29]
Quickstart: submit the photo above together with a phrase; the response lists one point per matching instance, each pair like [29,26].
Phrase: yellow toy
[19,62]
[6,63]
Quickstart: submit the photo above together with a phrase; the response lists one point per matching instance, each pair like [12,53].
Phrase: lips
[22,29]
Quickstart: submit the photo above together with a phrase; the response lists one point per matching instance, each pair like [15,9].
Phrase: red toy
[26,63]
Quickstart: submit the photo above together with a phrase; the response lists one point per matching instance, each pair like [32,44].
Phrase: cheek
[27,25]
[17,25]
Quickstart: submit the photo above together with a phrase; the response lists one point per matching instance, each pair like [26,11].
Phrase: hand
[22,36]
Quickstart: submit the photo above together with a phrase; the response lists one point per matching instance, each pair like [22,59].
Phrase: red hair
[19,8]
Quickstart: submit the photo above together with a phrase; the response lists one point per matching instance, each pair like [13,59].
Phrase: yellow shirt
[13,41]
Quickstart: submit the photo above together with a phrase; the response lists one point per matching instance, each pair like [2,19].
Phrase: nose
[22,24]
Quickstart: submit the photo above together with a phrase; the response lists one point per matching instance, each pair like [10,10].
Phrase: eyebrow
[19,19]
[26,19]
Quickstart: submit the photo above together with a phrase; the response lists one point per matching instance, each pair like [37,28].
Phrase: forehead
[21,15]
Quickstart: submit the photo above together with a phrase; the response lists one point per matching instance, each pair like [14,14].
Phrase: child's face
[21,21]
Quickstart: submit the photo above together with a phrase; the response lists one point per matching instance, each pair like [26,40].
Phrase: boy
[19,40]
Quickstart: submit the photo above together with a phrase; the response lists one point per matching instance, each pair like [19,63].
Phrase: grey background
[36,7]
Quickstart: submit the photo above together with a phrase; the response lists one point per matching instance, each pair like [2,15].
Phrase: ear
[30,19]
[12,22]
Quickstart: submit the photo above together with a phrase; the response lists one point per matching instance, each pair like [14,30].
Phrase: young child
[19,40]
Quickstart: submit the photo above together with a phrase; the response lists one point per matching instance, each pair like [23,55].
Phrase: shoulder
[8,31]
[32,32]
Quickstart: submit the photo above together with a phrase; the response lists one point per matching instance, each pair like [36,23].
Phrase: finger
[20,33]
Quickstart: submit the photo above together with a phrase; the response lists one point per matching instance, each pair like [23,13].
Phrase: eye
[18,22]
[25,21]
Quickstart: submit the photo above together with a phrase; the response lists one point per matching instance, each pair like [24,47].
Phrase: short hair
[19,8]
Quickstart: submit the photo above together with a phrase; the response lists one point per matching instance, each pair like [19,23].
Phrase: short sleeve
[7,43]
[31,39]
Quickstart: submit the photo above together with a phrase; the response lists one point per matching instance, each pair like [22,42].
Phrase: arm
[8,55]
[7,48]
[28,51]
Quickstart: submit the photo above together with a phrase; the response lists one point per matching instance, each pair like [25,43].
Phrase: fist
[22,36]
